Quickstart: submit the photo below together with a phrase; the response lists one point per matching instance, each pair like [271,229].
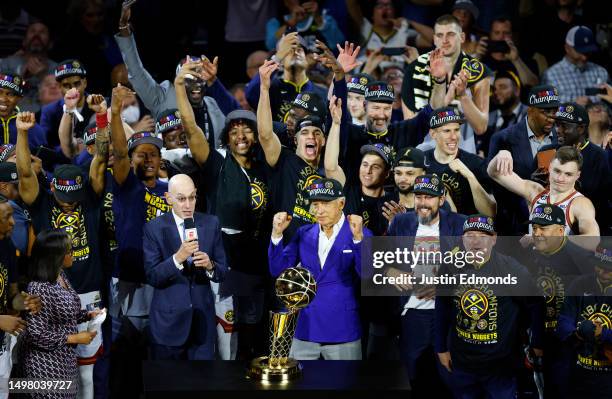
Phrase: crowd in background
[162,162]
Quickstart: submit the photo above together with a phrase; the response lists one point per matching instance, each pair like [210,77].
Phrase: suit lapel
[334,253]
[313,242]
[171,233]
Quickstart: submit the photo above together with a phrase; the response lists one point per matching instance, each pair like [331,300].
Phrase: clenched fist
[25,121]
[356,225]
[280,223]
[96,103]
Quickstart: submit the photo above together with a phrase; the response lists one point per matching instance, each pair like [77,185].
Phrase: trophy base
[260,370]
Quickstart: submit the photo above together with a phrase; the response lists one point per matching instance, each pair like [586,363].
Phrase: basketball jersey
[544,198]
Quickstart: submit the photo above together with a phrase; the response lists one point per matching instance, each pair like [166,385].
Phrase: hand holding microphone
[190,242]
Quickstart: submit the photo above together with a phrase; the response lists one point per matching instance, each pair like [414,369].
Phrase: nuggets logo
[435,181]
[69,223]
[389,87]
[363,81]
[547,285]
[569,108]
[229,316]
[258,197]
[474,304]
[547,210]
[306,97]
[599,317]
[177,114]
[311,179]
[73,223]
[17,80]
[474,68]
[329,185]
[76,64]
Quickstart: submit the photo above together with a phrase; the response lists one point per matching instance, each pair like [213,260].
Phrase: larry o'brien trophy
[296,288]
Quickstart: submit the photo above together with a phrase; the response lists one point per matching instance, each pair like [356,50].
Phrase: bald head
[182,196]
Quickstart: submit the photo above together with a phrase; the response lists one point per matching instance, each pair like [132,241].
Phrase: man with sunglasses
[521,143]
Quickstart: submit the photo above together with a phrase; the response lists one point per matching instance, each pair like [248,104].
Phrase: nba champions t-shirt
[82,225]
[134,204]
[292,177]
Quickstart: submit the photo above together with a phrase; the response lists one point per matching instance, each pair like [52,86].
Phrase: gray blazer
[158,97]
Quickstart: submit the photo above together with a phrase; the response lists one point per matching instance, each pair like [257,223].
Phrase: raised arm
[28,183]
[476,107]
[484,202]
[215,89]
[195,136]
[68,142]
[354,11]
[500,170]
[268,139]
[121,165]
[97,169]
[332,148]
[583,214]
[151,92]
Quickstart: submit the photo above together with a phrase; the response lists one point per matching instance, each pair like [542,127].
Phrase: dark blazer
[332,317]
[51,115]
[514,139]
[181,298]
[407,224]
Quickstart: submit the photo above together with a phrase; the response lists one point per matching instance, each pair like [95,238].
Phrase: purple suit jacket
[332,317]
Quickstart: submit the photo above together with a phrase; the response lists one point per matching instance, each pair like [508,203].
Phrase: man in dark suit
[330,249]
[521,143]
[428,229]
[180,267]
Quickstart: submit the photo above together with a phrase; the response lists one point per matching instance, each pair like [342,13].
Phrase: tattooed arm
[98,165]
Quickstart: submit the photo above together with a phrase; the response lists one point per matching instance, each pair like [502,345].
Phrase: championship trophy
[296,288]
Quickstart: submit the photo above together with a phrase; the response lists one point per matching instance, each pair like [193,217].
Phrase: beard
[426,219]
[404,191]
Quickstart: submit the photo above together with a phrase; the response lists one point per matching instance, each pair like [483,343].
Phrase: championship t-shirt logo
[258,197]
[474,68]
[474,304]
[73,223]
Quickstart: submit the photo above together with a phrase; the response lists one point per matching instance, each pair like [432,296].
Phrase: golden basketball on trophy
[296,288]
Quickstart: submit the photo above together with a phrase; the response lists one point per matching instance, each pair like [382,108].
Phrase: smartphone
[498,46]
[593,91]
[393,50]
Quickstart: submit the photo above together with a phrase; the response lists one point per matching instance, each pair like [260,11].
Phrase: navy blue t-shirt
[82,225]
[134,204]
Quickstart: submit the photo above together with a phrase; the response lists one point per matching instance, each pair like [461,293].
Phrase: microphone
[191,233]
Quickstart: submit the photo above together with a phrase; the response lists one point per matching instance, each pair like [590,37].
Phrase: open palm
[347,56]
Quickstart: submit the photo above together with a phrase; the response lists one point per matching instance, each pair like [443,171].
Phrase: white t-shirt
[427,239]
[373,41]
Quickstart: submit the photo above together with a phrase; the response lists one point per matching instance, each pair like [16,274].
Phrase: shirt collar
[179,221]
[336,227]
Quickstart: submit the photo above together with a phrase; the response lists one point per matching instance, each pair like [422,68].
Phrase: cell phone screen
[392,50]
[593,91]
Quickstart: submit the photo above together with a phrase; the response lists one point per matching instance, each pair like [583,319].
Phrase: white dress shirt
[325,243]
